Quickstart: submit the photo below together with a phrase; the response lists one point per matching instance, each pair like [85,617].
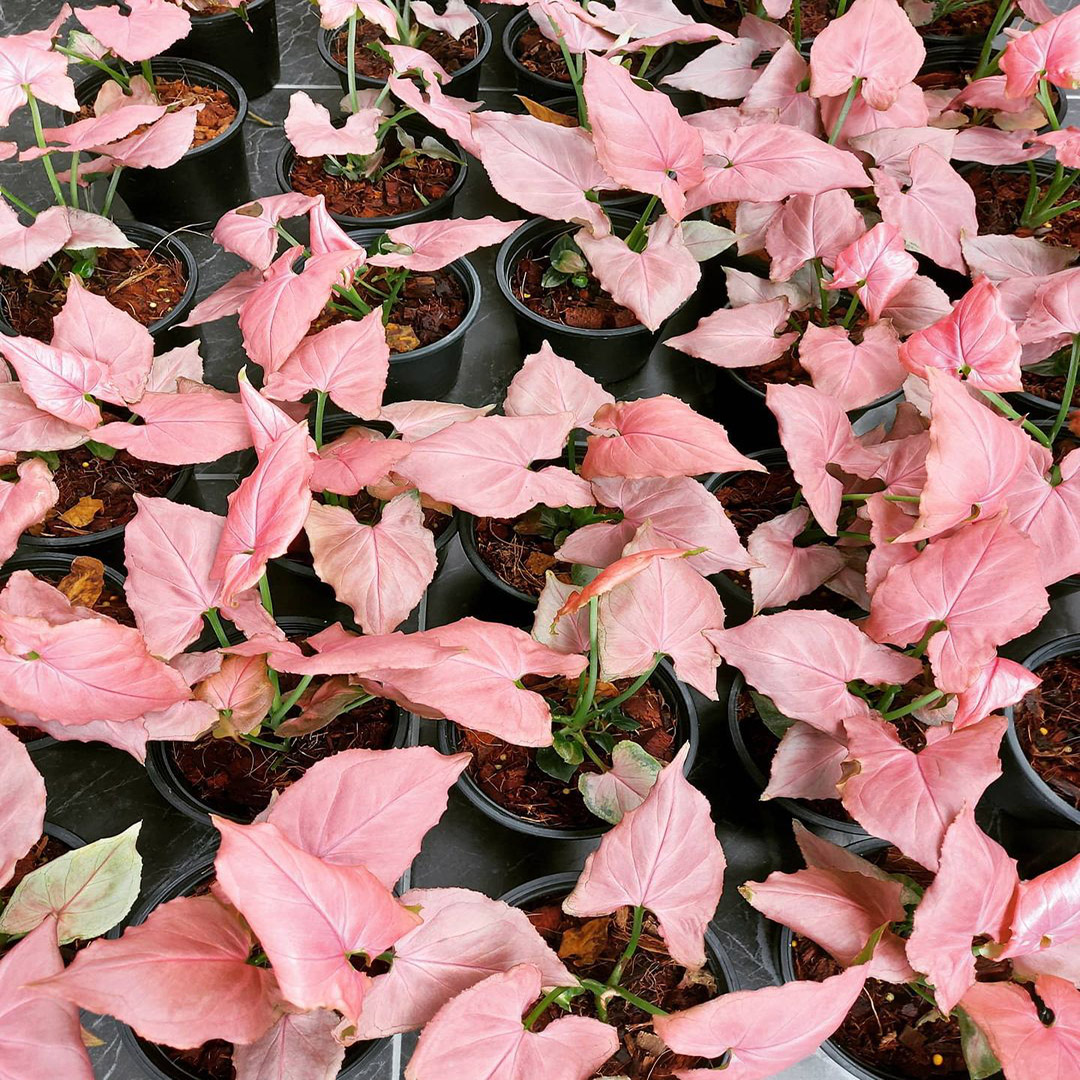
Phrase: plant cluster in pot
[196,153]
[414,280]
[56,894]
[368,47]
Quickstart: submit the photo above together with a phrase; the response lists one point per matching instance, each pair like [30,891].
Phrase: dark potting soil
[1048,387]
[402,190]
[518,553]
[82,475]
[1048,726]
[237,777]
[543,57]
[144,284]
[450,53]
[999,203]
[205,10]
[211,1061]
[591,948]
[590,308]
[44,851]
[509,774]
[429,307]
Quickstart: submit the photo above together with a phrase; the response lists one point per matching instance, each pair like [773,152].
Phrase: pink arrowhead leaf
[611,795]
[875,267]
[337,911]
[265,513]
[683,514]
[778,88]
[39,1038]
[804,660]
[785,571]
[1003,257]
[816,432]
[641,141]
[381,570]
[817,851]
[25,502]
[415,420]
[754,162]
[619,572]
[972,895]
[1000,683]
[1060,960]
[652,283]
[89,326]
[334,12]
[659,436]
[180,978]
[1056,309]
[300,1044]
[812,227]
[935,211]
[479,1034]
[477,687]
[1049,49]
[309,128]
[765,1030]
[241,692]
[644,18]
[976,341]
[27,63]
[911,799]
[482,466]
[249,231]
[450,114]
[465,937]
[742,336]
[854,374]
[227,300]
[368,808]
[198,423]
[725,71]
[58,382]
[569,634]
[1026,1047]
[455,19]
[160,145]
[1047,912]
[1049,513]
[543,168]
[275,318]
[873,41]
[22,814]
[546,383]
[806,765]
[992,147]
[26,247]
[581,30]
[96,130]
[23,426]
[636,864]
[661,610]
[358,458]
[349,360]
[983,583]
[431,245]
[891,147]
[147,28]
[917,305]
[94,669]
[266,421]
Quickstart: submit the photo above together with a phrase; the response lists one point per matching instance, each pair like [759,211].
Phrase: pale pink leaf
[1047,911]
[612,794]
[725,71]
[300,1046]
[786,571]
[918,304]
[26,247]
[25,502]
[891,147]
[854,374]
[415,420]
[806,765]
[431,245]
[147,28]
[250,230]
[1000,683]
[812,227]
[875,267]
[1056,308]
[241,692]
[993,147]
[546,383]
[569,634]
[1003,257]
[1048,50]
[159,146]
[23,426]
[356,459]
[29,61]
[22,813]
[1049,513]
[310,130]
[737,337]
[227,300]
[60,383]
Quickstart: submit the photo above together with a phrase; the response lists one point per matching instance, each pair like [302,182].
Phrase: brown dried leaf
[585,943]
[85,582]
[539,563]
[549,116]
[89,1039]
[83,512]
[401,338]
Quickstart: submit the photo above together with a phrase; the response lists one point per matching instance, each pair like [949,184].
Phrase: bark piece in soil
[521,559]
[144,284]
[450,53]
[591,308]
[431,305]
[651,975]
[509,775]
[1048,726]
[402,190]
[81,474]
[999,203]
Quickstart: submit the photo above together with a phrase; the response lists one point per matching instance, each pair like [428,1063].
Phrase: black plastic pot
[51,563]
[66,837]
[169,782]
[430,371]
[152,1059]
[166,331]
[246,48]
[554,886]
[540,87]
[209,179]
[437,208]
[686,733]
[795,807]
[1021,792]
[607,355]
[107,542]
[465,82]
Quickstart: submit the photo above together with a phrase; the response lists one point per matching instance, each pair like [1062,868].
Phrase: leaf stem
[17,202]
[1070,388]
[289,701]
[845,109]
[350,62]
[542,1006]
[320,413]
[39,135]
[1032,429]
[585,699]
[631,690]
[918,703]
[110,192]
[264,594]
[635,239]
[631,946]
[212,617]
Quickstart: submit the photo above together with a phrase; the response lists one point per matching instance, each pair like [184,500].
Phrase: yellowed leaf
[549,116]
[85,582]
[401,338]
[83,512]
[89,1039]
[585,943]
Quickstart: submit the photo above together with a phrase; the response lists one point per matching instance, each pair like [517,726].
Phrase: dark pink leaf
[25,502]
[744,336]
[875,267]
[241,693]
[1000,683]
[1049,513]
[636,865]
[1049,49]
[356,459]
